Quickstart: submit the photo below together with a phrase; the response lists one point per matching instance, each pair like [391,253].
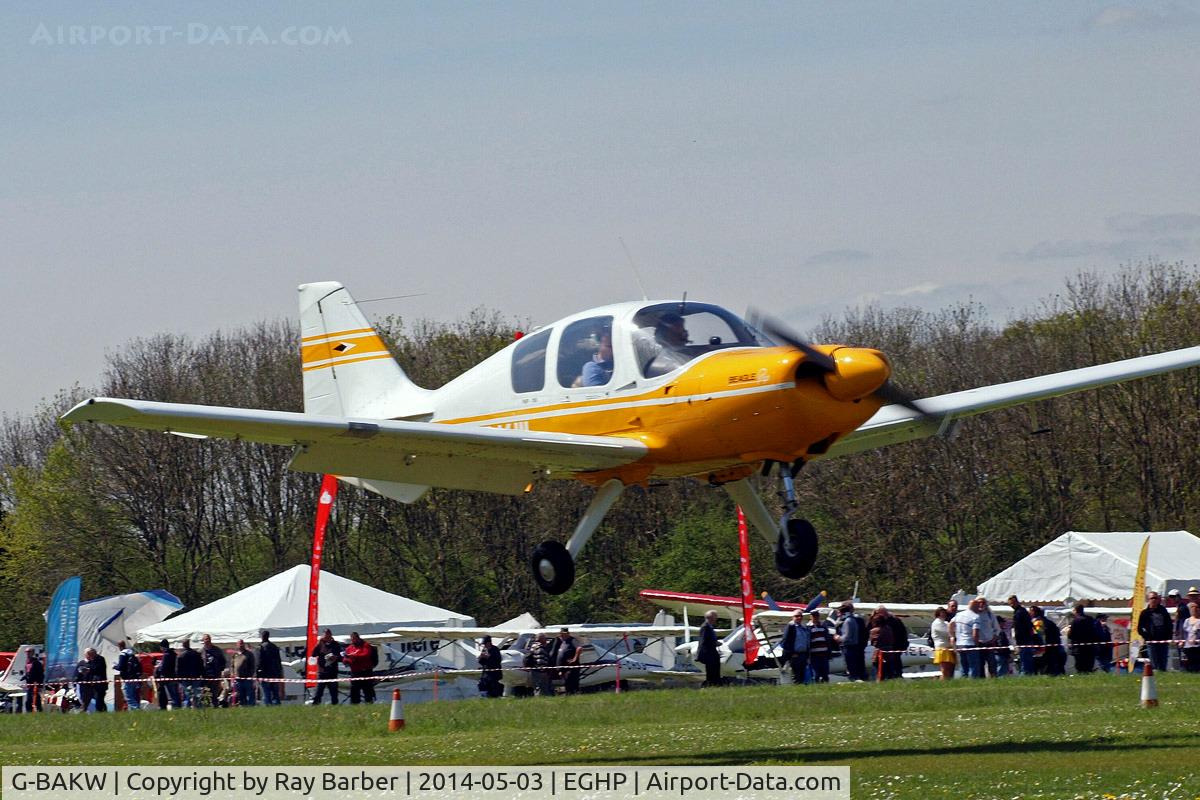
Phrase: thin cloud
[1153,224]
[828,257]
[1122,250]
[1141,18]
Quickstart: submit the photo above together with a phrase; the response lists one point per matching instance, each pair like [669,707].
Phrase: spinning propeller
[848,372]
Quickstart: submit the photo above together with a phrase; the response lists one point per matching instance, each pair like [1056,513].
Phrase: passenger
[599,371]
[795,646]
[819,638]
[943,646]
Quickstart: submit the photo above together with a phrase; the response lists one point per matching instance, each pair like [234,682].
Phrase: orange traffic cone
[1149,687]
[396,720]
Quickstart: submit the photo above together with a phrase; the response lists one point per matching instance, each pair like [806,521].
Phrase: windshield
[669,335]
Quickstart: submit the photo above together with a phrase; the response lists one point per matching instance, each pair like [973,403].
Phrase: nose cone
[860,371]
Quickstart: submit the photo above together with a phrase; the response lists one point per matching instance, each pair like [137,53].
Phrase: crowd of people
[202,678]
[974,641]
[982,644]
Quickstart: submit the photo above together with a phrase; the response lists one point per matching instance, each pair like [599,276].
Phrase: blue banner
[62,631]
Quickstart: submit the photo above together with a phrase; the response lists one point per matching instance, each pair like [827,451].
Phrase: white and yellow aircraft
[613,396]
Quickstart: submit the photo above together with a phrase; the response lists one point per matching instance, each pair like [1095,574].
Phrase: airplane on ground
[633,652]
[612,396]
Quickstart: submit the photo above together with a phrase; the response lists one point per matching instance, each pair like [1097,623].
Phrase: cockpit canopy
[669,335]
[659,338]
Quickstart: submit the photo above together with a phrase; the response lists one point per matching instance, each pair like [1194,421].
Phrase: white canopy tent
[280,605]
[105,621]
[1099,567]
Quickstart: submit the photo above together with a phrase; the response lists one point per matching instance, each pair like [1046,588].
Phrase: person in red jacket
[359,656]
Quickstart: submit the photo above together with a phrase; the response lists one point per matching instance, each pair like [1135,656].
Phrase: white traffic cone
[1149,687]
[396,720]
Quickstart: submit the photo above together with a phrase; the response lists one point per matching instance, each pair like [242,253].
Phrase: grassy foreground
[1081,736]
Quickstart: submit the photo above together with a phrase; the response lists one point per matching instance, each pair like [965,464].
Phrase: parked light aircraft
[612,396]
[636,653]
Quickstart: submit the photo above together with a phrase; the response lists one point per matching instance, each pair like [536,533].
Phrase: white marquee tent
[1099,567]
[280,604]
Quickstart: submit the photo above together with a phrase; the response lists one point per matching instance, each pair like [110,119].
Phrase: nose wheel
[796,550]
[553,567]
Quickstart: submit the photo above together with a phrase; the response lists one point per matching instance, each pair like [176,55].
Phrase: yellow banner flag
[1137,604]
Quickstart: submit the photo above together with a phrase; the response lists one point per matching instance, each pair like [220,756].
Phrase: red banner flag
[329,486]
[751,648]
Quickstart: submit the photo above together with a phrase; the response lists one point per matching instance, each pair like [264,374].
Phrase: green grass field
[1081,736]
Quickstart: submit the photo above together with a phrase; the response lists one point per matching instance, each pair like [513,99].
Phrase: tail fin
[662,649]
[348,371]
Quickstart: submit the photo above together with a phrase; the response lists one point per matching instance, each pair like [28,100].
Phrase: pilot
[598,371]
[666,351]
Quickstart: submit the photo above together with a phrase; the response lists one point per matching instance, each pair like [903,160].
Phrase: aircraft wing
[893,423]
[589,632]
[448,634]
[409,453]
[693,602]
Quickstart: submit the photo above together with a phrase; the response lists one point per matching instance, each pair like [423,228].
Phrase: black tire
[553,567]
[796,550]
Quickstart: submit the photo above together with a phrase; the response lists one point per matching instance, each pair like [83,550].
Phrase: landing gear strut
[794,539]
[553,564]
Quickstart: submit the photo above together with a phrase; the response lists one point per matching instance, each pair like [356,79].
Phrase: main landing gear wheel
[553,567]
[796,550]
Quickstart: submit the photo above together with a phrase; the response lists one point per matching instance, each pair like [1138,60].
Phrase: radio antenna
[633,267]
[393,297]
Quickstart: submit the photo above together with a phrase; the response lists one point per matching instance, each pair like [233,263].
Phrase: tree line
[133,510]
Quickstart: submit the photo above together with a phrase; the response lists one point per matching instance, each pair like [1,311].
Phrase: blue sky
[800,157]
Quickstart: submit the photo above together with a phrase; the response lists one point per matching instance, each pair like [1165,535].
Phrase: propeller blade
[780,332]
[891,394]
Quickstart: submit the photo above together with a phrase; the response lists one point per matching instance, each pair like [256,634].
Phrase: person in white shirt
[943,646]
[966,629]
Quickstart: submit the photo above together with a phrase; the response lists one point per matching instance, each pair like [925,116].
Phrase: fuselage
[725,403]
